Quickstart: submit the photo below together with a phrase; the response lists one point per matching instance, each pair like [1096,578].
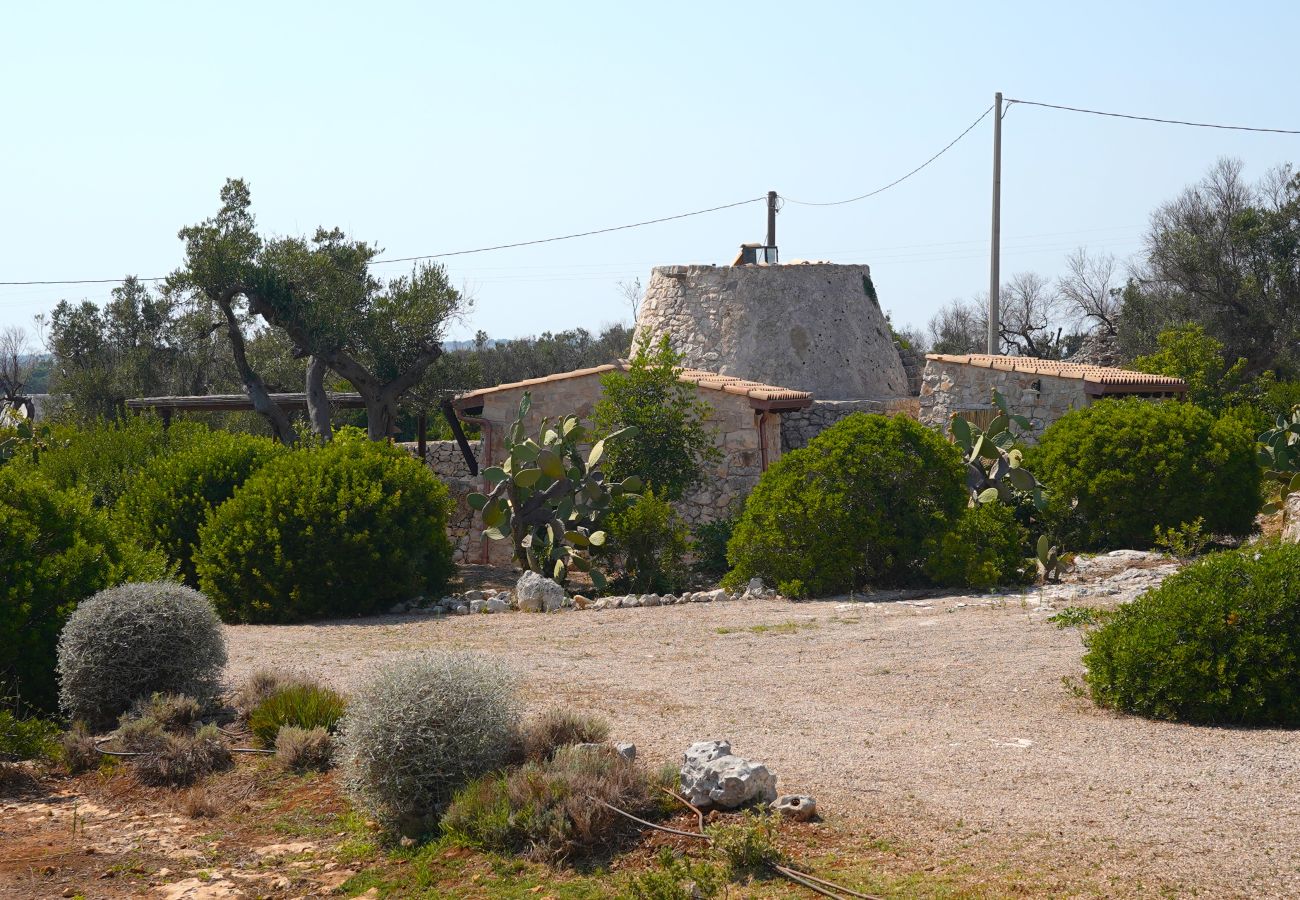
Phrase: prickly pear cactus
[547,497]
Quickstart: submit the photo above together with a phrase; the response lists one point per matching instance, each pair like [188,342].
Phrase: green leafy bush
[346,529]
[671,440]
[299,705]
[1189,353]
[709,543]
[173,495]
[104,459]
[647,545]
[1134,464]
[550,810]
[858,505]
[1217,643]
[986,547]
[55,550]
[422,729]
[29,738]
[131,641]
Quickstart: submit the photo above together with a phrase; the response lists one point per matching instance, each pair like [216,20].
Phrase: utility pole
[995,249]
[771,219]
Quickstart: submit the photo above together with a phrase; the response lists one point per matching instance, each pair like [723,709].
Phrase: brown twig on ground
[790,873]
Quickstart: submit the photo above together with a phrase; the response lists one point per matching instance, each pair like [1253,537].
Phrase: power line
[1115,115]
[896,181]
[549,240]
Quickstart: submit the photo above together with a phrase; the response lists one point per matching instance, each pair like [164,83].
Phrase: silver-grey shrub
[131,641]
[424,727]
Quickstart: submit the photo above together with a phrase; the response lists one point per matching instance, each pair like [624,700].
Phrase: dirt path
[943,724]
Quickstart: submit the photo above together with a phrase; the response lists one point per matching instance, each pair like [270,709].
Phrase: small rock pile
[536,593]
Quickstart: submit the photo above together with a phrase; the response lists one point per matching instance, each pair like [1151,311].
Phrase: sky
[431,127]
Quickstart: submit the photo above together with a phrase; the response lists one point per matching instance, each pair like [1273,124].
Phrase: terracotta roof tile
[757,392]
[1099,378]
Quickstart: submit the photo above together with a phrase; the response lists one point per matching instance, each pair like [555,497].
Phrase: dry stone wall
[448,463]
[809,327]
[948,387]
[801,426]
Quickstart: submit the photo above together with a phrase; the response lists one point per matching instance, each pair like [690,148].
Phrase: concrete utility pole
[771,219]
[995,250]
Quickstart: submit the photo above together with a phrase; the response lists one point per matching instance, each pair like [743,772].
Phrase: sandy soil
[947,724]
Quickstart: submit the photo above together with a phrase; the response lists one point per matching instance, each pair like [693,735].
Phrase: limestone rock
[799,807]
[712,776]
[580,601]
[497,604]
[650,600]
[625,749]
[533,593]
[1291,533]
[478,606]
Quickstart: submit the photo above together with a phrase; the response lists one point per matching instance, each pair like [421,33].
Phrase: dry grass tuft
[77,748]
[301,749]
[174,713]
[183,759]
[259,686]
[559,727]
[197,803]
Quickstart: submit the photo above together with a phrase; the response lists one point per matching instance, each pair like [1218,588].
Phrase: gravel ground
[948,724]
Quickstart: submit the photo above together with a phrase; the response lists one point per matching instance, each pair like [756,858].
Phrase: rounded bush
[346,529]
[132,641]
[1134,464]
[172,496]
[986,547]
[423,728]
[1217,643]
[55,550]
[858,505]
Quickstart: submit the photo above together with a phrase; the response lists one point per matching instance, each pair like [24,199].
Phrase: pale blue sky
[429,127]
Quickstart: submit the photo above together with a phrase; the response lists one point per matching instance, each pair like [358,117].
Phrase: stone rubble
[799,807]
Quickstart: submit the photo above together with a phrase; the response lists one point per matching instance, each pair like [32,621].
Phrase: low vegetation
[857,506]
[130,641]
[303,706]
[424,727]
[1218,643]
[342,530]
[557,727]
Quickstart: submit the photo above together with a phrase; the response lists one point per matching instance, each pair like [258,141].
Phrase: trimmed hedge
[55,550]
[346,529]
[858,505]
[1217,643]
[1134,464]
[171,498]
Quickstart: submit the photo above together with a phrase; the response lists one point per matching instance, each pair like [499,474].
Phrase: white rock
[631,600]
[471,596]
[497,604]
[533,593]
[461,609]
[712,776]
[653,600]
[1291,533]
[625,749]
[799,807]
[602,603]
[478,606]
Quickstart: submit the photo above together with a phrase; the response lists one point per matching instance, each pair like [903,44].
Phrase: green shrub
[104,459]
[299,705]
[55,550]
[546,809]
[986,547]
[172,496]
[647,544]
[747,845]
[560,726]
[260,685]
[858,505]
[301,749]
[673,440]
[422,729]
[675,877]
[30,738]
[132,641]
[1217,643]
[1188,352]
[346,529]
[1134,464]
[709,543]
